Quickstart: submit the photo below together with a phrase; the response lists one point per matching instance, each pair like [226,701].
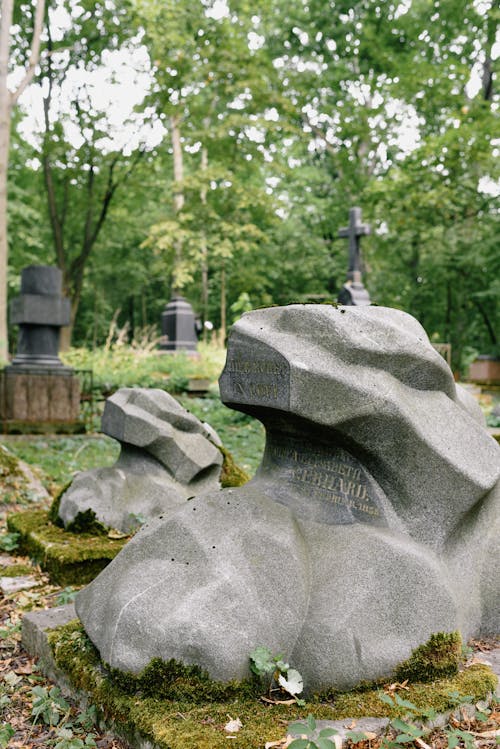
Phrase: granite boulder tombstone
[371,523]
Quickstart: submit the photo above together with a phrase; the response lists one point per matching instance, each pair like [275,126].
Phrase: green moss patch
[68,558]
[438,658]
[176,707]
[231,474]
[16,570]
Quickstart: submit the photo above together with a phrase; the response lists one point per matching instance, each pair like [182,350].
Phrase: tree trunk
[178,194]
[5,109]
[223,323]
[204,247]
[7,100]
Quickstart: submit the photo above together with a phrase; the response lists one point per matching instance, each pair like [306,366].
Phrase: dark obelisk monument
[353,291]
[178,327]
[40,393]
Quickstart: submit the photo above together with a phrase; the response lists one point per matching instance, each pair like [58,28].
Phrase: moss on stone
[16,570]
[438,658]
[68,558]
[231,474]
[54,507]
[176,716]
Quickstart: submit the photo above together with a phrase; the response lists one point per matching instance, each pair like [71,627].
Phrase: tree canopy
[246,132]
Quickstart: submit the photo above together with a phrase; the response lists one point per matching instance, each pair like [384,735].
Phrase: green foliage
[309,729]
[60,457]
[438,658]
[123,365]
[48,704]
[9,541]
[67,740]
[67,595]
[6,733]
[289,680]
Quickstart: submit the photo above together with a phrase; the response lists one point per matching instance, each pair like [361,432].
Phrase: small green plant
[4,701]
[11,628]
[88,718]
[6,733]
[9,541]
[49,705]
[67,595]
[263,662]
[407,732]
[67,740]
[307,730]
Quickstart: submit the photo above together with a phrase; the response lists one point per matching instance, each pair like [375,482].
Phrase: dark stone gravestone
[353,291]
[178,326]
[371,523]
[38,391]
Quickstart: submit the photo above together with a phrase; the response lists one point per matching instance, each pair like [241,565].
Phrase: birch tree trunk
[7,100]
[175,122]
[204,248]
[5,107]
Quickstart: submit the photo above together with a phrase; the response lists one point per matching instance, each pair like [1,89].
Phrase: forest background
[256,127]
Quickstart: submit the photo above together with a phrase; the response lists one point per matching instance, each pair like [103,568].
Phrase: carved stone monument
[38,391]
[371,523]
[353,292]
[167,455]
[178,326]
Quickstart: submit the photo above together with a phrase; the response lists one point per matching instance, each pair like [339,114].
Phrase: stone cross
[353,232]
[353,292]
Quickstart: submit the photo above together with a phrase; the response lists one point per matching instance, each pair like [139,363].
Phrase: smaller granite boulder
[167,456]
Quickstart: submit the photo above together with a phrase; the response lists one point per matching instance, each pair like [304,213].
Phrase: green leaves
[9,541]
[308,729]
[6,733]
[49,705]
[262,661]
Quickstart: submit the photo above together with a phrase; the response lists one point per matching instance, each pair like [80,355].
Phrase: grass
[123,365]
[59,458]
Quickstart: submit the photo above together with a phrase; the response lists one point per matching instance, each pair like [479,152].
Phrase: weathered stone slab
[10,585]
[167,456]
[371,523]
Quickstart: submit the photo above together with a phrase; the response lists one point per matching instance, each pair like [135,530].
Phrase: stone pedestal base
[486,369]
[40,401]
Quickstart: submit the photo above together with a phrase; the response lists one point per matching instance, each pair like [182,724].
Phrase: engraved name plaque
[255,375]
[334,486]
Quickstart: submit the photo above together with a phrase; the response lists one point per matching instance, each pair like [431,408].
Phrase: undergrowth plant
[283,678]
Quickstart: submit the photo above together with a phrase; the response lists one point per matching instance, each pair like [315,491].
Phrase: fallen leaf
[115,535]
[278,702]
[233,726]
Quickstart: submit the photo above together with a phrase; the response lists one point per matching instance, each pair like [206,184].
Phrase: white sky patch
[402,8]
[255,41]
[218,10]
[255,134]
[110,92]
[489,186]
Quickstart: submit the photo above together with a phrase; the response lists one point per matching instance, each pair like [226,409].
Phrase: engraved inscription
[260,380]
[332,478]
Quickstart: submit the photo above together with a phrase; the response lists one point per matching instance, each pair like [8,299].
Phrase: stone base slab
[36,398]
[37,625]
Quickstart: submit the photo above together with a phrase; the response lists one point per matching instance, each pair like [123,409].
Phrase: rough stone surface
[167,456]
[370,524]
[10,585]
